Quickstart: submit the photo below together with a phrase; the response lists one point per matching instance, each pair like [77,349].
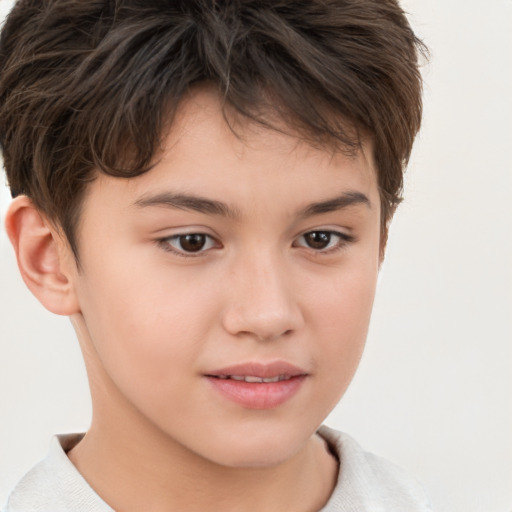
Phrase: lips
[260,370]
[256,385]
[254,378]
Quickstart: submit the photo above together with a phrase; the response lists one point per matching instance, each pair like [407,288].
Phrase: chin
[262,450]
[252,459]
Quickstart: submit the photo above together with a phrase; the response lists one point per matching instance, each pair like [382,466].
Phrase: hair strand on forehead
[92,86]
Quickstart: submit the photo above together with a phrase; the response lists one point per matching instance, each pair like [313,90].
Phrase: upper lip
[261,370]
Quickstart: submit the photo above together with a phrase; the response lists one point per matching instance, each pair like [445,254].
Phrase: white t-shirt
[366,483]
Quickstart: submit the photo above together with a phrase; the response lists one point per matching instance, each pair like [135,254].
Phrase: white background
[434,389]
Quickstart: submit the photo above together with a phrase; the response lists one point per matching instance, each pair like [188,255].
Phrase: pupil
[192,243]
[318,239]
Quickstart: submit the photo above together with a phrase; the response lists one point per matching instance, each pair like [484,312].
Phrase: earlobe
[43,257]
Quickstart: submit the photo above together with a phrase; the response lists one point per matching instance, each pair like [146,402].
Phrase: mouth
[258,386]
[252,378]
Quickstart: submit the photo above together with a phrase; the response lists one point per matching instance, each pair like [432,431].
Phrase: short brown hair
[91,85]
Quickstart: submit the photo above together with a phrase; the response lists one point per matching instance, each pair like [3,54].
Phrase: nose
[262,303]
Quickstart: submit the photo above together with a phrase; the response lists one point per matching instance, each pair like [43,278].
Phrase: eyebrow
[336,203]
[213,207]
[189,202]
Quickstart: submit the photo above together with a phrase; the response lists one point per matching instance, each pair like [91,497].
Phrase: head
[132,127]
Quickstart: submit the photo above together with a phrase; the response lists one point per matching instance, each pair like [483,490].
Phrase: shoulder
[55,484]
[369,482]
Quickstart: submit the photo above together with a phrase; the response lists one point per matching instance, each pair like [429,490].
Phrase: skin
[153,320]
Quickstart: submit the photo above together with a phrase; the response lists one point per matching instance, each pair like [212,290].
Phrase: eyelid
[164,243]
[344,239]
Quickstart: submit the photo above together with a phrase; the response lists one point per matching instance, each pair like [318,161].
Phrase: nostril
[272,336]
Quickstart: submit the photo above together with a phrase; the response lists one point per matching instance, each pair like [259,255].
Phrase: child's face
[277,274]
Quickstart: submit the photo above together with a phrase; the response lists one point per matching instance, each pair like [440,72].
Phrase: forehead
[268,127]
[209,149]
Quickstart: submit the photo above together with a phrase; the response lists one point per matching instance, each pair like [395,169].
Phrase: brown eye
[188,244]
[193,242]
[318,239]
[324,241]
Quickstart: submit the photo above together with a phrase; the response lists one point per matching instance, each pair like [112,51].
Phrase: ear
[44,258]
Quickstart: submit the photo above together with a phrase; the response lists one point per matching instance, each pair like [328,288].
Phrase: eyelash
[343,239]
[166,243]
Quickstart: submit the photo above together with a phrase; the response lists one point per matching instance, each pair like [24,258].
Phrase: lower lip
[258,395]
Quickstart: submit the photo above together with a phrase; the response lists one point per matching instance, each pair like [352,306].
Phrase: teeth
[251,378]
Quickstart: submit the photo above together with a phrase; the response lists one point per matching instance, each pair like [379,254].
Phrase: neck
[141,468]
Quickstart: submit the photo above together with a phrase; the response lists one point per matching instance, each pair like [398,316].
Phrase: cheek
[342,315]
[145,328]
